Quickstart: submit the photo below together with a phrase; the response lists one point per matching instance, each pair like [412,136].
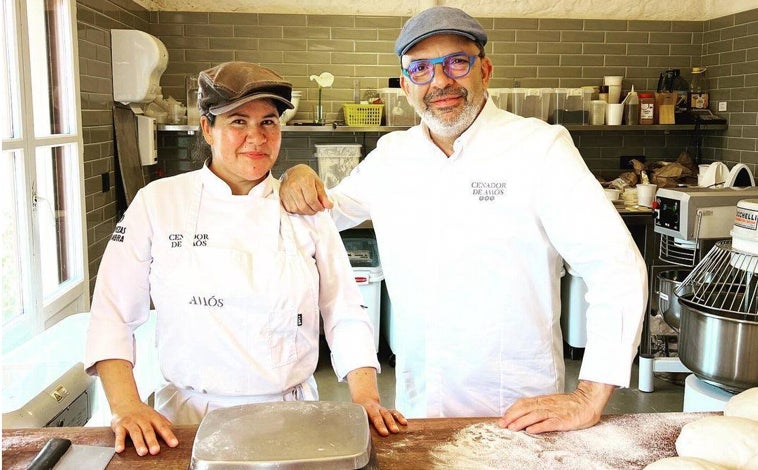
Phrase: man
[475,211]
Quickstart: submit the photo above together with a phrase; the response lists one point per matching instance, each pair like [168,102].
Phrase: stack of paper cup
[646,194]
[614,87]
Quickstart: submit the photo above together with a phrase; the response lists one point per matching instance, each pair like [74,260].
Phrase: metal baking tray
[283,435]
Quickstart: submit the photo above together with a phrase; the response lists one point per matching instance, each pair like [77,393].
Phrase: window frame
[72,295]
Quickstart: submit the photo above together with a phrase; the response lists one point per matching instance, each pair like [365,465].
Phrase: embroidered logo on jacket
[119,234]
[176,239]
[211,301]
[488,190]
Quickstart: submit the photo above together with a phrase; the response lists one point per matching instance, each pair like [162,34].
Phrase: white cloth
[472,248]
[237,285]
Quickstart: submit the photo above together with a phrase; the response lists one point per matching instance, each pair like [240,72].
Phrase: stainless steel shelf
[383,129]
[178,128]
[303,128]
[643,127]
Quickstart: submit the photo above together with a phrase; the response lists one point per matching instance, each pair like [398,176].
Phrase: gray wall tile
[535,52]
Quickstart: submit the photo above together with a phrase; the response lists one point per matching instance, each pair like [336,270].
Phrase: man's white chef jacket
[472,248]
[249,224]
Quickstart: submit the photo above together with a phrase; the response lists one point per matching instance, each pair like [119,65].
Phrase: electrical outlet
[722,106]
[105,182]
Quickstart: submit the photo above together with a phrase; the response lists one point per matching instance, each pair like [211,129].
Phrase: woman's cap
[232,84]
[439,20]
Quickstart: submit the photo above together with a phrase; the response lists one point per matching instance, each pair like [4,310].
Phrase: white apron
[228,320]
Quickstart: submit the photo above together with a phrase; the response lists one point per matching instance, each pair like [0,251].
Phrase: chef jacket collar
[218,187]
[485,115]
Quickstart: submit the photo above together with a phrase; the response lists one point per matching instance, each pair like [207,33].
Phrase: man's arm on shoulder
[302,192]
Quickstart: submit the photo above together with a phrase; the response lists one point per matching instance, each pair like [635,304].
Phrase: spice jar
[647,108]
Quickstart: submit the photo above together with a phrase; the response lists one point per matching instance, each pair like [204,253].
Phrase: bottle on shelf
[632,108]
[698,89]
[647,108]
[682,88]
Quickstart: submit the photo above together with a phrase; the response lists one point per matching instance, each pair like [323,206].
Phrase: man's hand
[364,392]
[302,192]
[561,412]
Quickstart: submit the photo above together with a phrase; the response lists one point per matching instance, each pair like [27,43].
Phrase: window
[42,240]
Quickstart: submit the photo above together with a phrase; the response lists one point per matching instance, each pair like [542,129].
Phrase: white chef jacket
[275,346]
[472,248]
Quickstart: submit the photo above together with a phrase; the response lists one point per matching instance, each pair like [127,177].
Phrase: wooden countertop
[620,441]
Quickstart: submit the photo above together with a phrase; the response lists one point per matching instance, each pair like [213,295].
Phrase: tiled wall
[538,53]
[730,50]
[95,19]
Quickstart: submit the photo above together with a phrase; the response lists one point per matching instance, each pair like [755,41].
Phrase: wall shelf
[383,129]
[299,128]
[644,127]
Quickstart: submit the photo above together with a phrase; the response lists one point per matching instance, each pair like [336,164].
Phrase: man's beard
[450,127]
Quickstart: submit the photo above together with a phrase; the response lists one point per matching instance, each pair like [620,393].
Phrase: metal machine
[689,218]
[690,222]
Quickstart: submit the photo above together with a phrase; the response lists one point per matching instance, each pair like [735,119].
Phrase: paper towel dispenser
[138,60]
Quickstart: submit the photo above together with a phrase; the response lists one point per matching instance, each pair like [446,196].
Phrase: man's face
[447,106]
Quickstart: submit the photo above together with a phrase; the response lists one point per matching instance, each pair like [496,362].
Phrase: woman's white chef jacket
[472,248]
[237,285]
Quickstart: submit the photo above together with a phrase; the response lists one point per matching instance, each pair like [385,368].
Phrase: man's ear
[486,70]
[404,84]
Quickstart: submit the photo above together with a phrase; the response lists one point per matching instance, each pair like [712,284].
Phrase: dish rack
[363,114]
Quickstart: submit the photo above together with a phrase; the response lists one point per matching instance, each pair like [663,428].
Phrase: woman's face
[244,144]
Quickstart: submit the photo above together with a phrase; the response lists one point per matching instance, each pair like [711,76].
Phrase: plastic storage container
[397,110]
[364,258]
[501,97]
[335,161]
[531,102]
[570,106]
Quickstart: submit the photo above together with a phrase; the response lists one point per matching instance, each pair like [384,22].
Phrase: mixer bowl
[668,300]
[719,347]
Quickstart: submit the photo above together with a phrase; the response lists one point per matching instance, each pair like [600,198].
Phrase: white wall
[696,10]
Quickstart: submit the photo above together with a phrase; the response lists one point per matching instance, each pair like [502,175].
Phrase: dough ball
[684,463]
[743,405]
[725,440]
[752,464]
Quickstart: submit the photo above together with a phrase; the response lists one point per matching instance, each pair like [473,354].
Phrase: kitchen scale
[291,435]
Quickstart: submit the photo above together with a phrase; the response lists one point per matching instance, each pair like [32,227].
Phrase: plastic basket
[363,114]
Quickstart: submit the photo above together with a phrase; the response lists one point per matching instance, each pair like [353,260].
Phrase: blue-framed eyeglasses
[456,65]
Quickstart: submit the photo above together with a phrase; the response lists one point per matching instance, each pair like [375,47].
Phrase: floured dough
[684,463]
[743,405]
[725,440]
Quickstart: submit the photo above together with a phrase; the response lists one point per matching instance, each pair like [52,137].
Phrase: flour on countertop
[615,443]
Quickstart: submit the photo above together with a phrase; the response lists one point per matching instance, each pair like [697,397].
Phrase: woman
[237,283]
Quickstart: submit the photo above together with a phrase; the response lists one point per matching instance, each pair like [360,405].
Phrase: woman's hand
[132,417]
[143,425]
[364,392]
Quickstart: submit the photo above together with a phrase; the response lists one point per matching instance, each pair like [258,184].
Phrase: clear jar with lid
[698,89]
[647,108]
